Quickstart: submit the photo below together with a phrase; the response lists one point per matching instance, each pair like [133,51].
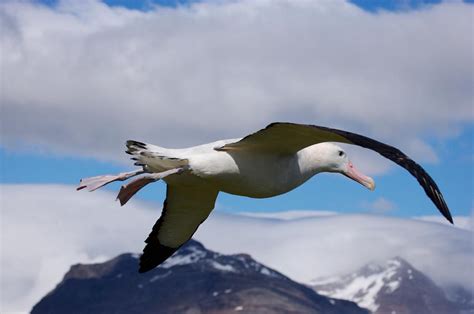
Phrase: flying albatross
[267,163]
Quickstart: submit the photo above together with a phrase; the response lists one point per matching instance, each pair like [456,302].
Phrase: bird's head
[333,158]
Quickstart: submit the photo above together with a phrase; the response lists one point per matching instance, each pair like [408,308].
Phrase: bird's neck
[312,160]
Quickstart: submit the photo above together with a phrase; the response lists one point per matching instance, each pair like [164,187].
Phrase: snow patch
[392,286]
[219,266]
[155,278]
[184,258]
[362,290]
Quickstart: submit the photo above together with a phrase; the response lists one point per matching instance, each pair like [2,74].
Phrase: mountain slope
[461,296]
[194,280]
[392,287]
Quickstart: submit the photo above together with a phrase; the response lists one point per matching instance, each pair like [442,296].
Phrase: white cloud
[46,228]
[380,205]
[464,222]
[83,77]
[289,215]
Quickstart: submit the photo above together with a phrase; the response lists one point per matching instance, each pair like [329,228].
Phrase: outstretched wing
[288,138]
[184,209]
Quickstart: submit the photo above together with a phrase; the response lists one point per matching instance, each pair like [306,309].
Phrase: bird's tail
[154,158]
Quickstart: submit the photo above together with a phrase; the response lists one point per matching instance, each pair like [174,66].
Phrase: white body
[252,174]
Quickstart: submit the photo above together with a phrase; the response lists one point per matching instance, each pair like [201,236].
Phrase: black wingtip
[448,216]
[142,269]
[154,254]
[445,211]
[438,199]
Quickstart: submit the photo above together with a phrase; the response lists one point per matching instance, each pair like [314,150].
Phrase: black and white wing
[184,209]
[288,138]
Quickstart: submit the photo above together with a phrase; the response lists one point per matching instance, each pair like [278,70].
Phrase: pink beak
[355,175]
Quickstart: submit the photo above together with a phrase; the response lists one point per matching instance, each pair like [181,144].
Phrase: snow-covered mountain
[194,280]
[392,287]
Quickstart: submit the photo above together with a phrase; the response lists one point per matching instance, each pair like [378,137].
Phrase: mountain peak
[398,262]
[390,286]
[390,268]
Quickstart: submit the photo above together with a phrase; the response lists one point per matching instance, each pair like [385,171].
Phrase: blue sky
[370,5]
[453,171]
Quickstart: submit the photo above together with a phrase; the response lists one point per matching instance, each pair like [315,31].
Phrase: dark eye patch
[341,153]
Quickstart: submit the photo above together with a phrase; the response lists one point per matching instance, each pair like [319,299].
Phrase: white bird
[267,163]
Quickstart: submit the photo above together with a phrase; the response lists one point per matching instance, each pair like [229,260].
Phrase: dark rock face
[194,280]
[392,287]
[462,297]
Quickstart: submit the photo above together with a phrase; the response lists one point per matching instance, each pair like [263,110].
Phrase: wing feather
[285,138]
[184,209]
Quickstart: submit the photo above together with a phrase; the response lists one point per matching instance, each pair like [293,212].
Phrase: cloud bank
[82,71]
[329,245]
[46,228]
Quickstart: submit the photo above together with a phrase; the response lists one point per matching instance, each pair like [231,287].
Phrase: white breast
[256,175]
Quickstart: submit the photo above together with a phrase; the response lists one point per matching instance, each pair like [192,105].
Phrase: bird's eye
[341,153]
